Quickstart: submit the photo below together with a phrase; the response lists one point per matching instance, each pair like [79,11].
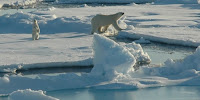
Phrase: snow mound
[137,51]
[29,94]
[111,58]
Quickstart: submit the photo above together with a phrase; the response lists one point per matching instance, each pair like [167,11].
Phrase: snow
[158,25]
[18,51]
[29,94]
[111,75]
[4,80]
[66,41]
[106,52]
[101,73]
[137,51]
[15,3]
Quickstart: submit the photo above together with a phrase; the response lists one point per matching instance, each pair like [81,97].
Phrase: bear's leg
[100,29]
[33,36]
[93,30]
[37,37]
[105,28]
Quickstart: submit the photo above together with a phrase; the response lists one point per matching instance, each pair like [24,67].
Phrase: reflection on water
[160,93]
[159,52]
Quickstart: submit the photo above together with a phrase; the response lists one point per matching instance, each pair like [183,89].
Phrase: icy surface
[18,51]
[70,46]
[65,40]
[29,94]
[101,74]
[15,3]
[112,75]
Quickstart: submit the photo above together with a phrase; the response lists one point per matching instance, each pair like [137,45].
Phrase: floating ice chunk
[142,41]
[29,94]
[132,4]
[84,5]
[51,9]
[110,58]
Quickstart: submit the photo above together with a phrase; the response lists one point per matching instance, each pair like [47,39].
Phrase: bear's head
[35,21]
[119,15]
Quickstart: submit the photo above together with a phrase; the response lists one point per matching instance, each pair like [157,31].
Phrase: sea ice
[29,94]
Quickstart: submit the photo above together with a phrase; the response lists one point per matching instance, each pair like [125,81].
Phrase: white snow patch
[29,94]
[4,80]
[16,3]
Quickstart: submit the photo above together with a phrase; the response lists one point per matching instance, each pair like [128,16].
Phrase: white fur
[100,23]
[36,30]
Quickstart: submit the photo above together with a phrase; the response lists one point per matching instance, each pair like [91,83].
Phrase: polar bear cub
[100,23]
[36,30]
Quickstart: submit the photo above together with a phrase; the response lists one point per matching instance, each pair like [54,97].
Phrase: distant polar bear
[36,30]
[100,23]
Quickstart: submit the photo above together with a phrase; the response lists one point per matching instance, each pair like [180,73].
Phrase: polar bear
[36,30]
[100,23]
